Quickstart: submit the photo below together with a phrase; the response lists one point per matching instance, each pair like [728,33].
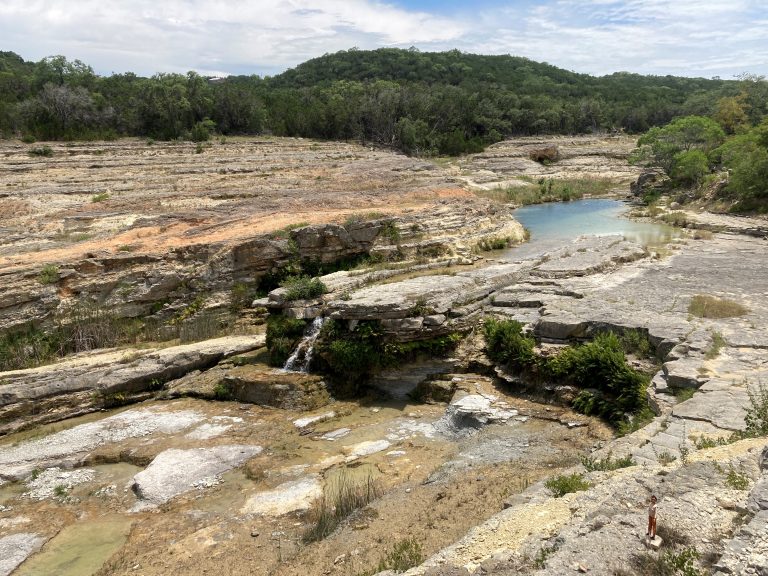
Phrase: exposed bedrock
[428,306]
[140,285]
[89,381]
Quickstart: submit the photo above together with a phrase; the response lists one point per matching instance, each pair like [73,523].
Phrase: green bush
[222,392]
[506,343]
[610,387]
[45,151]
[303,288]
[201,131]
[690,167]
[49,274]
[565,484]
[602,366]
[283,334]
[756,418]
[404,555]
[736,480]
[606,464]
[351,356]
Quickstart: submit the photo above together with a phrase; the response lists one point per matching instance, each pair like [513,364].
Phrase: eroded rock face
[650,181]
[83,384]
[174,472]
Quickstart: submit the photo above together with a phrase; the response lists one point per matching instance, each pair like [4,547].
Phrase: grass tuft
[340,500]
[706,306]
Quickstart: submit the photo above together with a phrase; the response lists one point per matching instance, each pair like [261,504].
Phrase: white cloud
[686,37]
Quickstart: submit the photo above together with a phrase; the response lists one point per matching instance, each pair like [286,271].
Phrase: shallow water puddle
[79,549]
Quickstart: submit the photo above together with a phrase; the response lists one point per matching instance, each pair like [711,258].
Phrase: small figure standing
[652,519]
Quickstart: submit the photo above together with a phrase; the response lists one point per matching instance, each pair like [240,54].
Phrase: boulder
[545,154]
[650,181]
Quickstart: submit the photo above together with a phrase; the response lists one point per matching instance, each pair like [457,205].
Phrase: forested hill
[457,68]
[420,103]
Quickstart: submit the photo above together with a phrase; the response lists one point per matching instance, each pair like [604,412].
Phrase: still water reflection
[555,224]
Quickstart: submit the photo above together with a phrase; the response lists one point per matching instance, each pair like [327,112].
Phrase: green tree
[690,167]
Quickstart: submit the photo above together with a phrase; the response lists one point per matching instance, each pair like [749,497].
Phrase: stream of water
[555,224]
[302,356]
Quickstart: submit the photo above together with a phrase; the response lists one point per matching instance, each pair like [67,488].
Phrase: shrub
[611,388]
[690,167]
[756,418]
[404,555]
[49,274]
[636,342]
[736,480]
[100,197]
[303,288]
[222,392]
[201,131]
[606,464]
[565,484]
[705,306]
[45,151]
[540,561]
[679,219]
[506,343]
[283,334]
[241,296]
[703,442]
[667,564]
[602,366]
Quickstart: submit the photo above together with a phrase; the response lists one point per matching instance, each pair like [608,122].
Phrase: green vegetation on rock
[351,356]
[303,287]
[283,334]
[610,388]
[564,484]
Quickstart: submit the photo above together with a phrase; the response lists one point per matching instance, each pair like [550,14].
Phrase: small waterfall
[302,356]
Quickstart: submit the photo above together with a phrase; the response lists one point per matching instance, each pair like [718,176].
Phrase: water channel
[558,223]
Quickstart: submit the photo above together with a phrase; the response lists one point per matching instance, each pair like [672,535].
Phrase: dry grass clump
[705,306]
[339,501]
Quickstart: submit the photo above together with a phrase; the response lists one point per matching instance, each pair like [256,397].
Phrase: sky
[218,37]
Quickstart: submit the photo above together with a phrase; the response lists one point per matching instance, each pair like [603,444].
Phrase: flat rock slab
[307,420]
[68,447]
[365,449]
[588,255]
[721,404]
[334,435]
[75,387]
[174,471]
[116,371]
[295,496]
[16,548]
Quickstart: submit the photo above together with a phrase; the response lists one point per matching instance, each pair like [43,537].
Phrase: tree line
[723,155]
[418,103]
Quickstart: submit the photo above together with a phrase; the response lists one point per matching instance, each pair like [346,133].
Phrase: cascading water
[302,356]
